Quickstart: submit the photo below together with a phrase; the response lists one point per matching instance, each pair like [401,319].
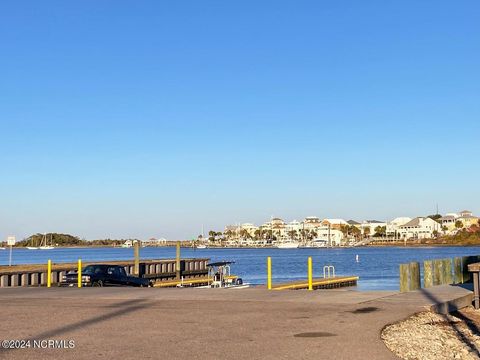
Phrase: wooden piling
[404,277]
[457,271]
[428,273]
[466,260]
[437,272]
[177,262]
[136,256]
[414,276]
[447,271]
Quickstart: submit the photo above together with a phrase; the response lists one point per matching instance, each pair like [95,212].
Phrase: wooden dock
[156,270]
[320,283]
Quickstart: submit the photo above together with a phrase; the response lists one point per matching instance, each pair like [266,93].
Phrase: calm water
[377,267]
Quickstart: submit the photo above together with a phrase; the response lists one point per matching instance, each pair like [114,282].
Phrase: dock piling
[136,257]
[428,273]
[177,262]
[404,275]
[447,271]
[438,272]
[415,283]
[457,270]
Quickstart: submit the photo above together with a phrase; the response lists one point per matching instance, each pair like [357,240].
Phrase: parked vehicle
[104,275]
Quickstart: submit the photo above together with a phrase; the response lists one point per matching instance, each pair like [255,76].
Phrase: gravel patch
[428,335]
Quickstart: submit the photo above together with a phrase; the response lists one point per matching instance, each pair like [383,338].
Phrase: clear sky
[151,118]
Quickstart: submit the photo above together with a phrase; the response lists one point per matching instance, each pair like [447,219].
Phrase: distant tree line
[57,239]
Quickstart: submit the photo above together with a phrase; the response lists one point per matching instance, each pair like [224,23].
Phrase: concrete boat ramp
[155,323]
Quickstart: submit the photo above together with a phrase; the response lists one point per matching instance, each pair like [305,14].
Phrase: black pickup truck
[104,275]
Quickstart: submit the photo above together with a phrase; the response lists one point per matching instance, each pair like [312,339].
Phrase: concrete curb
[453,305]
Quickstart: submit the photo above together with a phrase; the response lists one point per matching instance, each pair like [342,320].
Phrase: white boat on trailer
[221,278]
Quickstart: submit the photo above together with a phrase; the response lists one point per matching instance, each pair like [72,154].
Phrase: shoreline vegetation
[462,238]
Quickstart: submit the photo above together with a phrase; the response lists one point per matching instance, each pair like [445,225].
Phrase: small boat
[2,248]
[316,243]
[288,245]
[201,246]
[32,248]
[219,273]
[46,247]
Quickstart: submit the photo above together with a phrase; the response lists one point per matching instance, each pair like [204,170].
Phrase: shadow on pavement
[122,308]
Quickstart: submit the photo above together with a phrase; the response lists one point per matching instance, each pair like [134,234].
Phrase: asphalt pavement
[154,323]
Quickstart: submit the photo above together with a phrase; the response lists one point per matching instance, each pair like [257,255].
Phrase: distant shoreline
[400,245]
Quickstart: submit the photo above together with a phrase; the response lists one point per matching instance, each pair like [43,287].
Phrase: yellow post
[310,274]
[49,273]
[269,273]
[79,272]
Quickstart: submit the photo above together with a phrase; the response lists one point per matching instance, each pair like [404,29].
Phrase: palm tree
[228,234]
[344,229]
[354,231]
[292,234]
[366,232]
[269,236]
[211,236]
[219,236]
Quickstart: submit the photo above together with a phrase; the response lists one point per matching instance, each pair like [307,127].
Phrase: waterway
[377,267]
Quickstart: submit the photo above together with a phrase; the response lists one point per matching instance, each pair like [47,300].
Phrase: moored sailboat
[44,244]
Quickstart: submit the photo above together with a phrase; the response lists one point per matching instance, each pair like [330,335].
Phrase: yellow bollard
[310,274]
[269,273]
[49,273]
[79,272]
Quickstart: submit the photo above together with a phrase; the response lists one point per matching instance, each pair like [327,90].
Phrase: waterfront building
[312,222]
[354,223]
[155,242]
[334,223]
[277,223]
[447,222]
[368,227]
[467,219]
[249,228]
[393,227]
[419,228]
[328,235]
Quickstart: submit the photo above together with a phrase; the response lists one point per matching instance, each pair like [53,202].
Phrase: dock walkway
[320,283]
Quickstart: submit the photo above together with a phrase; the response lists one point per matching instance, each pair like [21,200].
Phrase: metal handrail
[327,273]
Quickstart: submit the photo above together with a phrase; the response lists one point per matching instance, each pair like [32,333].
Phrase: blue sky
[150,118]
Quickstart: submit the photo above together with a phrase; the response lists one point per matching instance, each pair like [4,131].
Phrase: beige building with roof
[419,228]
[467,218]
